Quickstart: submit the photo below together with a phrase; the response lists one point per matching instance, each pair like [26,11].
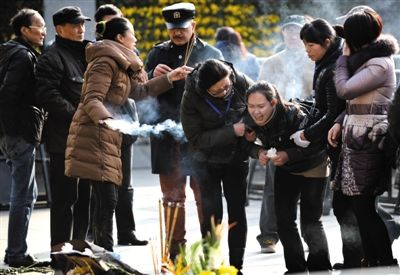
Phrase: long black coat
[59,75]
[210,135]
[163,149]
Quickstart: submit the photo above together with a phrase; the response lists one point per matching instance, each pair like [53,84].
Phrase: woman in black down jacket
[301,174]
[211,110]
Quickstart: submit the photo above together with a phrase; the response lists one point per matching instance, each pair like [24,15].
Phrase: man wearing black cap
[169,158]
[59,75]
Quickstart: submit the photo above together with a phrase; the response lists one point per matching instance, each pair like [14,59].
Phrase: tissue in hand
[271,153]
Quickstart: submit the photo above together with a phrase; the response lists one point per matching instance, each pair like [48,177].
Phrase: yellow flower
[205,272]
[227,270]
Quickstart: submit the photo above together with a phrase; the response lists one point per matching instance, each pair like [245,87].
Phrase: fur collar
[385,45]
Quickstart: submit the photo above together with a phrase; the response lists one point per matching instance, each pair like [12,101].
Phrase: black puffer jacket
[59,75]
[327,102]
[210,135]
[276,134]
[17,88]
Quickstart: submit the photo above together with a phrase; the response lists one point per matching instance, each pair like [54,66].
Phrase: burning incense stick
[161,226]
[189,49]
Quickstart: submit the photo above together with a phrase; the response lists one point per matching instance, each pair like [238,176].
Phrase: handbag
[308,107]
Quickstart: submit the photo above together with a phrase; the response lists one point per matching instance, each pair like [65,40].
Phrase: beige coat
[291,72]
[114,73]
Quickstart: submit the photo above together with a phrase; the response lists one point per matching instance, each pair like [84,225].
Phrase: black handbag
[308,107]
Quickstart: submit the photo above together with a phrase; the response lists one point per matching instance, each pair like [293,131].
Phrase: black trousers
[124,209]
[105,202]
[289,189]
[234,187]
[351,240]
[69,210]
[374,235]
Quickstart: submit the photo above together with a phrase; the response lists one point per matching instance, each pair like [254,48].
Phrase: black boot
[130,239]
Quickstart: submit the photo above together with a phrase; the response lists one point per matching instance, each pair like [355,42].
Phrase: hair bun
[339,30]
[101,28]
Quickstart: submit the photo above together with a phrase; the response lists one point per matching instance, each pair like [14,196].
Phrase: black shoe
[25,261]
[131,240]
[338,266]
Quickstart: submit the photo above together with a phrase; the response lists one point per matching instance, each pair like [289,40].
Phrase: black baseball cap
[295,19]
[179,16]
[70,14]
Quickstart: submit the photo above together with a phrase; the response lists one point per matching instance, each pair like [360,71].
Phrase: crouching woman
[212,107]
[301,174]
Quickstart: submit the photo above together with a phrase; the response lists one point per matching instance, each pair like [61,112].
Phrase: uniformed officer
[169,158]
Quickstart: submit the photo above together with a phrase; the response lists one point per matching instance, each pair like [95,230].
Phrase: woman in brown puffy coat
[93,151]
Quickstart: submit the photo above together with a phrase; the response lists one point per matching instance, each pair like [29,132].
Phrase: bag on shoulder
[308,107]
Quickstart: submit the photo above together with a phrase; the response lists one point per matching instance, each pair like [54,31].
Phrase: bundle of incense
[170,228]
[167,230]
[189,49]
[154,256]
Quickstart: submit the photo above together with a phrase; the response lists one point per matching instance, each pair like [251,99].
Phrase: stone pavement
[147,193]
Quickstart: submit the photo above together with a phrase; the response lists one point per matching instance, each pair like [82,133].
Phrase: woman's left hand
[280,159]
[299,138]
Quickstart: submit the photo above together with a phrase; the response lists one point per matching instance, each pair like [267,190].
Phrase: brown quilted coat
[114,73]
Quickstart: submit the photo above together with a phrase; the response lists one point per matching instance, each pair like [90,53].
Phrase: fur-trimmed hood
[385,45]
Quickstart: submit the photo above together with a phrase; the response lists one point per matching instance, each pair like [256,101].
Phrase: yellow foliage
[259,31]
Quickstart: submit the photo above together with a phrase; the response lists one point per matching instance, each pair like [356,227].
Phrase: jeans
[69,210]
[21,160]
[234,188]
[289,189]
[106,197]
[268,226]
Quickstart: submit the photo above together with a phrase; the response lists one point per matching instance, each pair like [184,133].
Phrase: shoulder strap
[6,55]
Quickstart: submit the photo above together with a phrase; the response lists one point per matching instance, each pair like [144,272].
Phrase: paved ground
[147,193]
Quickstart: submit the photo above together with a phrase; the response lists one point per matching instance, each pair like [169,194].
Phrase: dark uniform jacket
[163,150]
[211,134]
[17,88]
[276,134]
[59,75]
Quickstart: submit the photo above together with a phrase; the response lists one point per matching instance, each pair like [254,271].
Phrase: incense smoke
[135,129]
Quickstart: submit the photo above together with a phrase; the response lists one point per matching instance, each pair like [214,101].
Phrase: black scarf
[384,46]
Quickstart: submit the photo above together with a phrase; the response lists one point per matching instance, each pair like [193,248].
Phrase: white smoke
[145,130]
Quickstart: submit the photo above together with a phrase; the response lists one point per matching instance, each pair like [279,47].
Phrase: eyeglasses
[42,29]
[224,90]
